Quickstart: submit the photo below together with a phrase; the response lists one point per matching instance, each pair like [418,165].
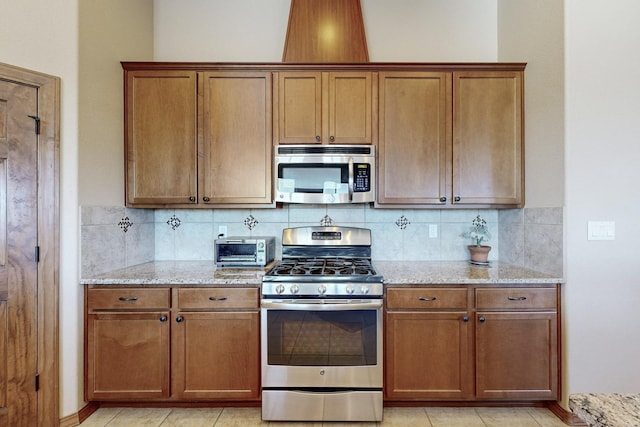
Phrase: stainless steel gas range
[321,328]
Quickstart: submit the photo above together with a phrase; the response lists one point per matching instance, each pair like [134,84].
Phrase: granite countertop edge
[395,273]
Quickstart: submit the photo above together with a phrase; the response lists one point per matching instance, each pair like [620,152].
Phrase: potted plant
[478,232]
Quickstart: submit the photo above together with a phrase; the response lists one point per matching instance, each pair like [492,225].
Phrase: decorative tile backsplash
[117,237]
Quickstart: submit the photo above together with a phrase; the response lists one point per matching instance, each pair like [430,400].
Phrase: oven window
[326,338]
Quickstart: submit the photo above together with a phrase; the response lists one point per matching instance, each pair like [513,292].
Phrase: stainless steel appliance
[321,328]
[325,173]
[245,251]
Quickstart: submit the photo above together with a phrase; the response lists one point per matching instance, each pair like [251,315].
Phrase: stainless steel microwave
[325,173]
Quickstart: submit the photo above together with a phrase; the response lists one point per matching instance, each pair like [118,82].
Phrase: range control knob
[280,289]
[294,289]
[350,289]
[322,289]
[364,290]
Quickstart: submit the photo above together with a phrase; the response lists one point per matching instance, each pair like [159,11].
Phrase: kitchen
[547,168]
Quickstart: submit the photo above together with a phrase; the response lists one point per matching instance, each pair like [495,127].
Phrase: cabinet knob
[163,318]
[443,199]
[465,319]
[192,199]
[332,138]
[481,319]
[318,138]
[179,319]
[205,199]
[456,199]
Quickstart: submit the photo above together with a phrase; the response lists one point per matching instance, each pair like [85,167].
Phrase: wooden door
[298,108]
[414,138]
[217,355]
[350,108]
[488,138]
[128,356]
[18,262]
[161,138]
[427,356]
[237,138]
[516,355]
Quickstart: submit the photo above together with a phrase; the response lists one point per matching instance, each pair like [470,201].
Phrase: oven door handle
[321,305]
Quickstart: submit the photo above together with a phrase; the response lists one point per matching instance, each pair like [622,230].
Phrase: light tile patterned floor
[393,417]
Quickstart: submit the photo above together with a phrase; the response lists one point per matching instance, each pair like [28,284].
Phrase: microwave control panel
[362,177]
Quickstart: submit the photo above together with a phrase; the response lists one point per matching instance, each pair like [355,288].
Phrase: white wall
[254,30]
[602,172]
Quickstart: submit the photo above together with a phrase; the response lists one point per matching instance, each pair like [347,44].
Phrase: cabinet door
[427,356]
[217,355]
[516,355]
[488,138]
[414,138]
[350,108]
[299,108]
[161,137]
[237,138]
[127,356]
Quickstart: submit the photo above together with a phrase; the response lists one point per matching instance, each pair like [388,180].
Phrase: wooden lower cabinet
[204,346]
[127,356]
[434,351]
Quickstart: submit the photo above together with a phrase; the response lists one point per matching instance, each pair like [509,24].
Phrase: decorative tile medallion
[250,222]
[174,222]
[326,220]
[402,222]
[125,223]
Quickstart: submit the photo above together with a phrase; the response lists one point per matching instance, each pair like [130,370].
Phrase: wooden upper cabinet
[237,121]
[161,137]
[324,107]
[488,138]
[414,137]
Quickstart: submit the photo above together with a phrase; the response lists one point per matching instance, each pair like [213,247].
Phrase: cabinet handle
[456,199]
[332,138]
[128,299]
[192,199]
[205,199]
[217,299]
[516,298]
[443,199]
[427,299]
[465,319]
[482,319]
[318,138]
[179,319]
[163,318]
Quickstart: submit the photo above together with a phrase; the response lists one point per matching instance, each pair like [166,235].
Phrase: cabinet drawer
[129,299]
[427,298]
[516,298]
[217,298]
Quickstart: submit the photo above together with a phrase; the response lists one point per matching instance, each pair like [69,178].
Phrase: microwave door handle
[350,179]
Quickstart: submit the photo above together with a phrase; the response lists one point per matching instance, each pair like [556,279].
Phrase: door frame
[48,156]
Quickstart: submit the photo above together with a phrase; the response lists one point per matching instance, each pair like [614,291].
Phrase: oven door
[332,343]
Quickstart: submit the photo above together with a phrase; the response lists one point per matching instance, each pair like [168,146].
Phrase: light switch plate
[433,231]
[601,230]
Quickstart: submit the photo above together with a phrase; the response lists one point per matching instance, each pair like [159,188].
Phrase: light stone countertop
[607,409]
[205,273]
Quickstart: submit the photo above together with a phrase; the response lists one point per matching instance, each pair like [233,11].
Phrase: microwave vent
[325,149]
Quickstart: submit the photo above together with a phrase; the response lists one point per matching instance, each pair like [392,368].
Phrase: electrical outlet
[433,231]
[222,231]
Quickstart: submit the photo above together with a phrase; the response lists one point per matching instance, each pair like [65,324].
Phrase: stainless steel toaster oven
[245,251]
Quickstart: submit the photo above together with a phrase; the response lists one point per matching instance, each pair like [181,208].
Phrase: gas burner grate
[323,267]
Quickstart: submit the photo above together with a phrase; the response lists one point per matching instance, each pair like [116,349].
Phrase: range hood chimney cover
[325,31]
